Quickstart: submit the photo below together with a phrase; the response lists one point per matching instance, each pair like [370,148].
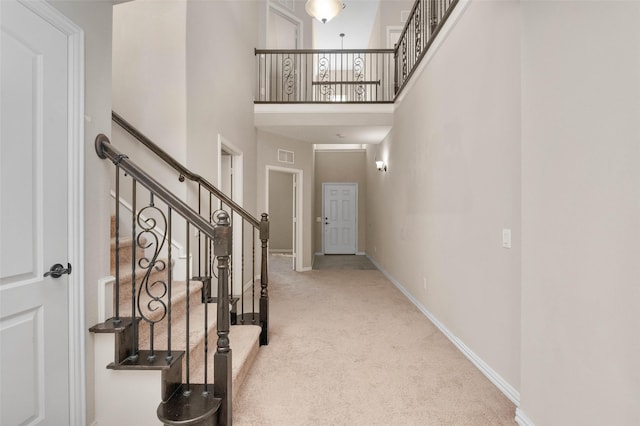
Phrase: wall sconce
[324,10]
[382,167]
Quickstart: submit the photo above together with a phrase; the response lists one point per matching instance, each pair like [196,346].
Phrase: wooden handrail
[184,172]
[105,150]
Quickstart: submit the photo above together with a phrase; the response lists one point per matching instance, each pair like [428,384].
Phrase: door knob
[57,270]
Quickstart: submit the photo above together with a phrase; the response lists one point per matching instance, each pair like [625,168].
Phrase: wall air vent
[285,156]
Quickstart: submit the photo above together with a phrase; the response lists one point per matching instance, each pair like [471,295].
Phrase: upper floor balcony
[349,93]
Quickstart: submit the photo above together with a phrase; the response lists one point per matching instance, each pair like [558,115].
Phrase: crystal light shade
[323,10]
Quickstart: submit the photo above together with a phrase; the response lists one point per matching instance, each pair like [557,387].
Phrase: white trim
[456,13]
[391,29]
[105,298]
[304,269]
[237,193]
[288,15]
[299,206]
[361,253]
[180,267]
[495,378]
[75,189]
[522,419]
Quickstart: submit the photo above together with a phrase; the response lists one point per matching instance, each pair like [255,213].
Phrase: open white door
[36,232]
[340,224]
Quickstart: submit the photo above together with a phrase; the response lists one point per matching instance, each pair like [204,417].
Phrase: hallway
[347,348]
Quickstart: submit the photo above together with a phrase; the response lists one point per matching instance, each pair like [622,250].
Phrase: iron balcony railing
[425,21]
[325,76]
[351,76]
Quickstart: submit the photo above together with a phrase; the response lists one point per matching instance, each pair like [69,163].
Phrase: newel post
[264,281]
[222,358]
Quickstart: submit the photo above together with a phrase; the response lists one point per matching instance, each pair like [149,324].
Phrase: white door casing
[294,215]
[340,219]
[41,217]
[231,181]
[299,220]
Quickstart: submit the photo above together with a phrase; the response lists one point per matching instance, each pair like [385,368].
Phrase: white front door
[34,310]
[340,201]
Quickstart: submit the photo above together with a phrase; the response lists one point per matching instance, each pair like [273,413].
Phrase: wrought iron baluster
[169,279]
[134,334]
[117,254]
[152,221]
[188,316]
[253,269]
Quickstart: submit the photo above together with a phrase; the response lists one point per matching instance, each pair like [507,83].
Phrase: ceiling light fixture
[324,10]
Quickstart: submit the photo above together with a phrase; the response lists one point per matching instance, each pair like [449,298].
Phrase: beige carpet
[347,348]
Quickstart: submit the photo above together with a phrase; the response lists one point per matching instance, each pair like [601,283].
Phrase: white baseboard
[361,253]
[304,269]
[508,390]
[319,254]
[522,419]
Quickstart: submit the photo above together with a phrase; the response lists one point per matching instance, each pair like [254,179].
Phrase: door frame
[286,14]
[75,193]
[298,176]
[237,195]
[355,185]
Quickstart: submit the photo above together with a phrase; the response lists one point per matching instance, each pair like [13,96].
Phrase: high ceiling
[355,22]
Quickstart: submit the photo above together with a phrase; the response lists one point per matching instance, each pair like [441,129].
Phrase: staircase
[171,350]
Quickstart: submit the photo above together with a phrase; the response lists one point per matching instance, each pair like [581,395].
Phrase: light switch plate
[506,238]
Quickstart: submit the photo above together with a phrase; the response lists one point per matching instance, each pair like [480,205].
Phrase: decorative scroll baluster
[156,290]
[324,67]
[222,359]
[358,75]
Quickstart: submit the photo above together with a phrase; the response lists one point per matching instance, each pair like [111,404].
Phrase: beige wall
[281,211]
[95,19]
[268,145]
[580,213]
[149,87]
[341,167]
[453,184]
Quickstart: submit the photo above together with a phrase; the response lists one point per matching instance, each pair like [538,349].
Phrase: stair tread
[178,296]
[196,330]
[244,343]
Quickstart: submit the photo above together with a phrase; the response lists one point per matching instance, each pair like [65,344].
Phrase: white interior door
[340,201]
[34,310]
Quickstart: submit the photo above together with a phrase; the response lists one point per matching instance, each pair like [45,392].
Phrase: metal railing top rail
[184,172]
[105,150]
[311,51]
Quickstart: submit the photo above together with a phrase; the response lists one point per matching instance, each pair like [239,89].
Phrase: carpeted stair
[244,339]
